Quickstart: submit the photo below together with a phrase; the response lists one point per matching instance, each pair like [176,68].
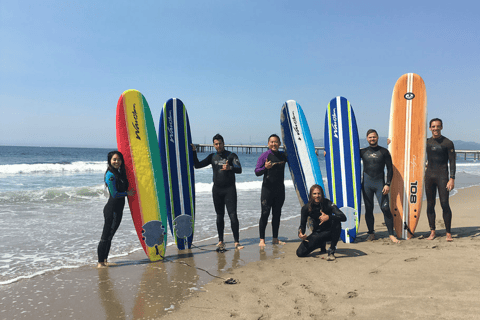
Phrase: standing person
[375,159]
[440,152]
[271,164]
[225,165]
[117,184]
[326,220]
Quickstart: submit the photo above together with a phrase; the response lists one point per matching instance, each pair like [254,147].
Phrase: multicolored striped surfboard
[302,159]
[343,164]
[408,136]
[174,140]
[137,141]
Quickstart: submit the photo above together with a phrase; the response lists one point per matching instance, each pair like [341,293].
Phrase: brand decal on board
[170,127]
[295,125]
[409,95]
[335,124]
[135,124]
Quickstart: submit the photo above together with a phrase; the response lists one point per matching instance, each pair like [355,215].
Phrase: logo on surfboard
[170,127]
[135,124]
[409,95]
[334,124]
[295,125]
[413,192]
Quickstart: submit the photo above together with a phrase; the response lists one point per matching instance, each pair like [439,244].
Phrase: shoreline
[181,286]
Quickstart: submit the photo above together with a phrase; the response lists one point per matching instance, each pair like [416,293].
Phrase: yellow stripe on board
[352,157]
[187,152]
[332,163]
[137,135]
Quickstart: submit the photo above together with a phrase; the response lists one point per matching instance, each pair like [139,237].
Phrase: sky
[64,64]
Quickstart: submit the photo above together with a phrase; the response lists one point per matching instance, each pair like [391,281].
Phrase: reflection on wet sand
[110,302]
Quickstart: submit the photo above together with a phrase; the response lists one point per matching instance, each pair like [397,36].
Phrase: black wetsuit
[273,189]
[374,161]
[327,231]
[439,152]
[112,212]
[224,191]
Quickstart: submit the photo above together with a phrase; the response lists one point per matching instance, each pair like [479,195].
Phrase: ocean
[52,199]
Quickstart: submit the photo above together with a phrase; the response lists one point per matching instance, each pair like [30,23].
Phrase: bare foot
[371,237]
[220,244]
[276,241]
[262,243]
[394,239]
[238,246]
[449,237]
[432,235]
[101,265]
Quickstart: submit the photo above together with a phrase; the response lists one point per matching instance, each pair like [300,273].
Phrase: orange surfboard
[408,135]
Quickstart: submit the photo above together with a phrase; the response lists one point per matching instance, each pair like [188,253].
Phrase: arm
[337,214]
[260,168]
[235,163]
[303,221]
[388,163]
[111,182]
[452,159]
[201,164]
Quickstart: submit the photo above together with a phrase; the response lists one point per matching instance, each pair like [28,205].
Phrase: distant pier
[249,149]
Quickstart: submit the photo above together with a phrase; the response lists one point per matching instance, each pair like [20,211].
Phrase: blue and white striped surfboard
[174,141]
[343,164]
[302,160]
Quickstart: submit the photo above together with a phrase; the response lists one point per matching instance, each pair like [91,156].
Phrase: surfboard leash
[405,226]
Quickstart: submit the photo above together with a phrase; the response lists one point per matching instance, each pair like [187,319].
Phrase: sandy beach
[369,280]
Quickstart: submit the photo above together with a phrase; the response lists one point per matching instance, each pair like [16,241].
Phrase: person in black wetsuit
[375,159]
[326,218]
[225,165]
[117,184]
[440,152]
[271,164]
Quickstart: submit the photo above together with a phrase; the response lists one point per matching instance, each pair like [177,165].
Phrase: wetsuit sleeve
[260,168]
[452,158]
[235,163]
[112,186]
[337,214]
[201,164]
[303,219]
[389,164]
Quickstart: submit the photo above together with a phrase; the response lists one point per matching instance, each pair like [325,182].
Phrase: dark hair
[120,174]
[276,136]
[310,195]
[218,136]
[372,131]
[435,119]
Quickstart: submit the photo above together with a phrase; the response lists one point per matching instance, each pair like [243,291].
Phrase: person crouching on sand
[326,219]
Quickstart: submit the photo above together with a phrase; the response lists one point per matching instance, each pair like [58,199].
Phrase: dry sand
[369,280]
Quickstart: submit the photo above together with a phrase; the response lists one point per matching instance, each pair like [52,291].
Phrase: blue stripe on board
[163,155]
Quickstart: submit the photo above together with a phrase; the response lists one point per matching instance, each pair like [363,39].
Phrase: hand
[388,141]
[450,184]
[194,149]
[324,217]
[302,236]
[386,189]
[268,164]
[226,166]
[131,192]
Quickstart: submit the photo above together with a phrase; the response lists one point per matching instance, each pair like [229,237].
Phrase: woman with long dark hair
[326,218]
[117,184]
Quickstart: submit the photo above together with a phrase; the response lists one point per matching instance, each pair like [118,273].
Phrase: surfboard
[298,142]
[174,140]
[343,164]
[408,136]
[137,141]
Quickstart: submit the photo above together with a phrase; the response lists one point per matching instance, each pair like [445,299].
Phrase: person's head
[316,194]
[273,142]
[218,143]
[436,126]
[372,137]
[115,160]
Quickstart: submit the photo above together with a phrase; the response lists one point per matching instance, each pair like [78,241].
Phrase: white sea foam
[52,168]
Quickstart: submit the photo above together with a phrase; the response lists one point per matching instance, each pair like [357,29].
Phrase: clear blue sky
[64,64]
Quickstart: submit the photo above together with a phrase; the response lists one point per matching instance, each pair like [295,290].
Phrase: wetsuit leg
[443,194]
[231,204]
[368,193]
[266,206]
[385,207]
[277,205]
[113,217]
[431,193]
[219,195]
[318,240]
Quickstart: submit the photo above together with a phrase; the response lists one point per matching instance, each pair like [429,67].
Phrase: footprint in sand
[352,294]
[411,259]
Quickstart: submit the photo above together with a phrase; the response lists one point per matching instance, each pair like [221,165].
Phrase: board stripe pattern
[343,164]
[177,163]
[408,134]
[302,159]
[137,141]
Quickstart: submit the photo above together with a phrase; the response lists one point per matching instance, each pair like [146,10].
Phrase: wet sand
[375,279]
